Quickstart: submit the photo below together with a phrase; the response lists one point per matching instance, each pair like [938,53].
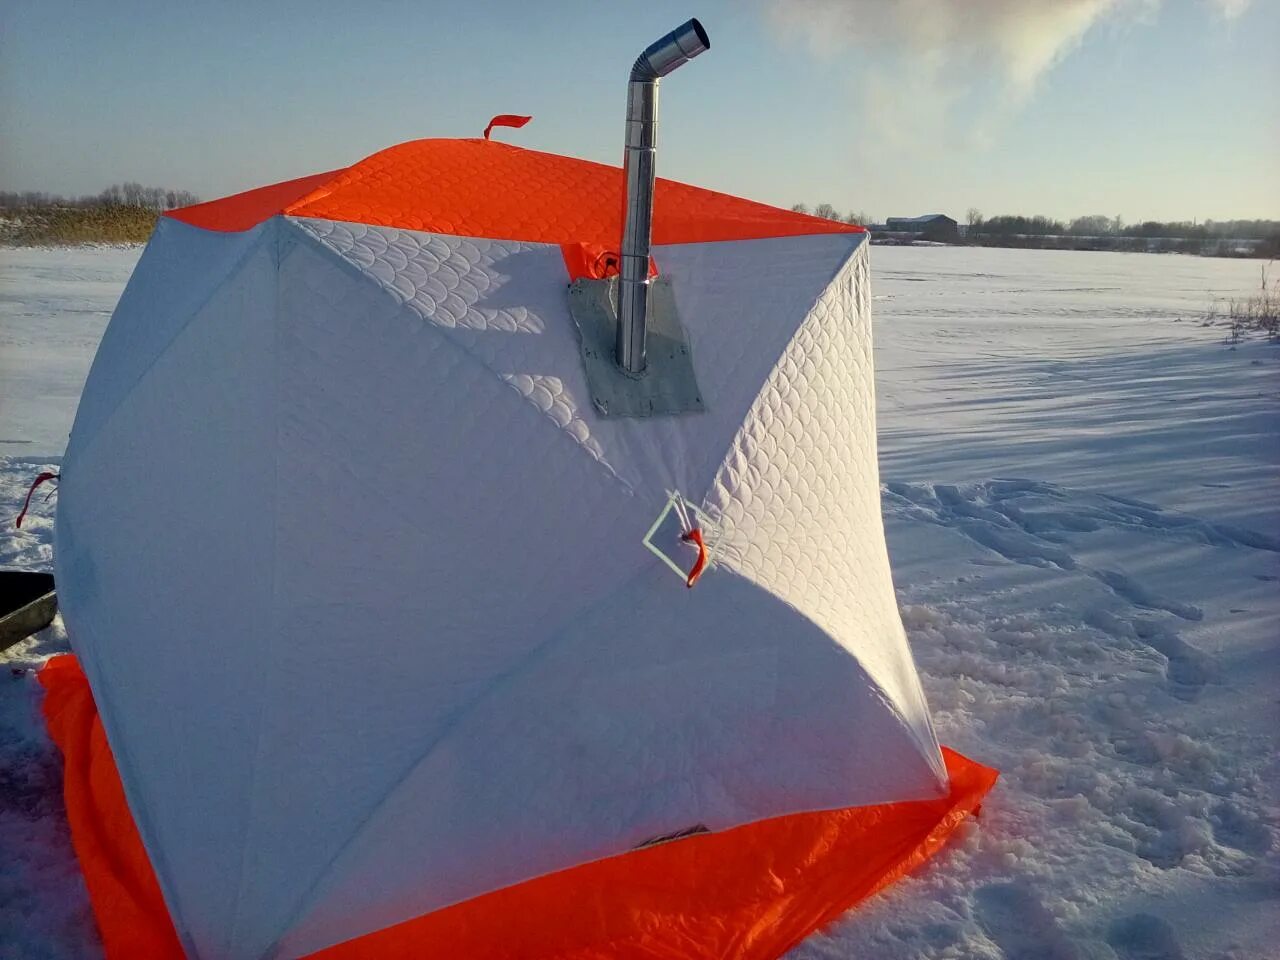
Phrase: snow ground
[54,305]
[1080,496]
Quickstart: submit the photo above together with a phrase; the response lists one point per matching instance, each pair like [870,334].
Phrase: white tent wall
[503,304]
[611,736]
[396,641]
[422,401]
[425,536]
[180,269]
[164,557]
[799,495]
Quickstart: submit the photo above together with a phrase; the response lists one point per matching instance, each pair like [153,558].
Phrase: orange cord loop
[695,536]
[34,484]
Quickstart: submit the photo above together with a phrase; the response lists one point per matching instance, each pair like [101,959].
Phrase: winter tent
[386,623]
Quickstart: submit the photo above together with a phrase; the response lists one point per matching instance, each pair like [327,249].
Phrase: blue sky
[1142,108]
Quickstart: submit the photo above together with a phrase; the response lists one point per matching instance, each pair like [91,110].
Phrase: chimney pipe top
[639,164]
[678,47]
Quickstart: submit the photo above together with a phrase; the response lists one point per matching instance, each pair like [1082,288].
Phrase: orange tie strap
[505,120]
[35,483]
[695,536]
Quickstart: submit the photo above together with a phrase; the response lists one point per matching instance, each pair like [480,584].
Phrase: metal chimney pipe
[639,164]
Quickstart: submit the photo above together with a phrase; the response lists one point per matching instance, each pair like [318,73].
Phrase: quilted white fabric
[798,496]
[411,647]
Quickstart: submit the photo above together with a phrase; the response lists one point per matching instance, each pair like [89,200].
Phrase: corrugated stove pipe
[639,164]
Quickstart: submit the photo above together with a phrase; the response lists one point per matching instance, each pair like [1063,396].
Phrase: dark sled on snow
[27,604]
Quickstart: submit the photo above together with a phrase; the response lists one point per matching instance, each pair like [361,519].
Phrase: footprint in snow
[1022,927]
[1144,937]
[1031,513]
[1188,668]
[1130,590]
[1232,827]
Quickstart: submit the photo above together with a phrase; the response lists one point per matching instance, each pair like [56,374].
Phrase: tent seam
[275,626]
[776,365]
[929,751]
[932,749]
[120,746]
[365,277]
[493,687]
[876,689]
[330,255]
[496,687]
[87,444]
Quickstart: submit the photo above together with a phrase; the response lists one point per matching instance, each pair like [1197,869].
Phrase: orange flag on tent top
[506,120]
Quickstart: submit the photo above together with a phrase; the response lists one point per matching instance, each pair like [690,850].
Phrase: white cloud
[941,51]
[1019,39]
[1230,9]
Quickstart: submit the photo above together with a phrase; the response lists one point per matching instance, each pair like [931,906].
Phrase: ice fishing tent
[385,622]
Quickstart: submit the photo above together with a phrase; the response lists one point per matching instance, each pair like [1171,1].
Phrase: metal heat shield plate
[668,385]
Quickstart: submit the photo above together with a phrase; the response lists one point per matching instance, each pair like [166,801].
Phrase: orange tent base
[752,892]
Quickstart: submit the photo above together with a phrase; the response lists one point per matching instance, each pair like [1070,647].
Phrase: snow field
[1079,490]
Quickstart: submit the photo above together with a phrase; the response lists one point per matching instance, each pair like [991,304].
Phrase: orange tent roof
[482,188]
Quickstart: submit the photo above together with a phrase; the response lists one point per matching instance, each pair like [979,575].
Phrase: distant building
[932,226]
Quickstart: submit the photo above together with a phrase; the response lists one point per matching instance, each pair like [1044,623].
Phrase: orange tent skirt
[751,893]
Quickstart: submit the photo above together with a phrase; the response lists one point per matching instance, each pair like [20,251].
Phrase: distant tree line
[122,213]
[827,212]
[117,195]
[1100,225]
[1249,238]
[1094,225]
